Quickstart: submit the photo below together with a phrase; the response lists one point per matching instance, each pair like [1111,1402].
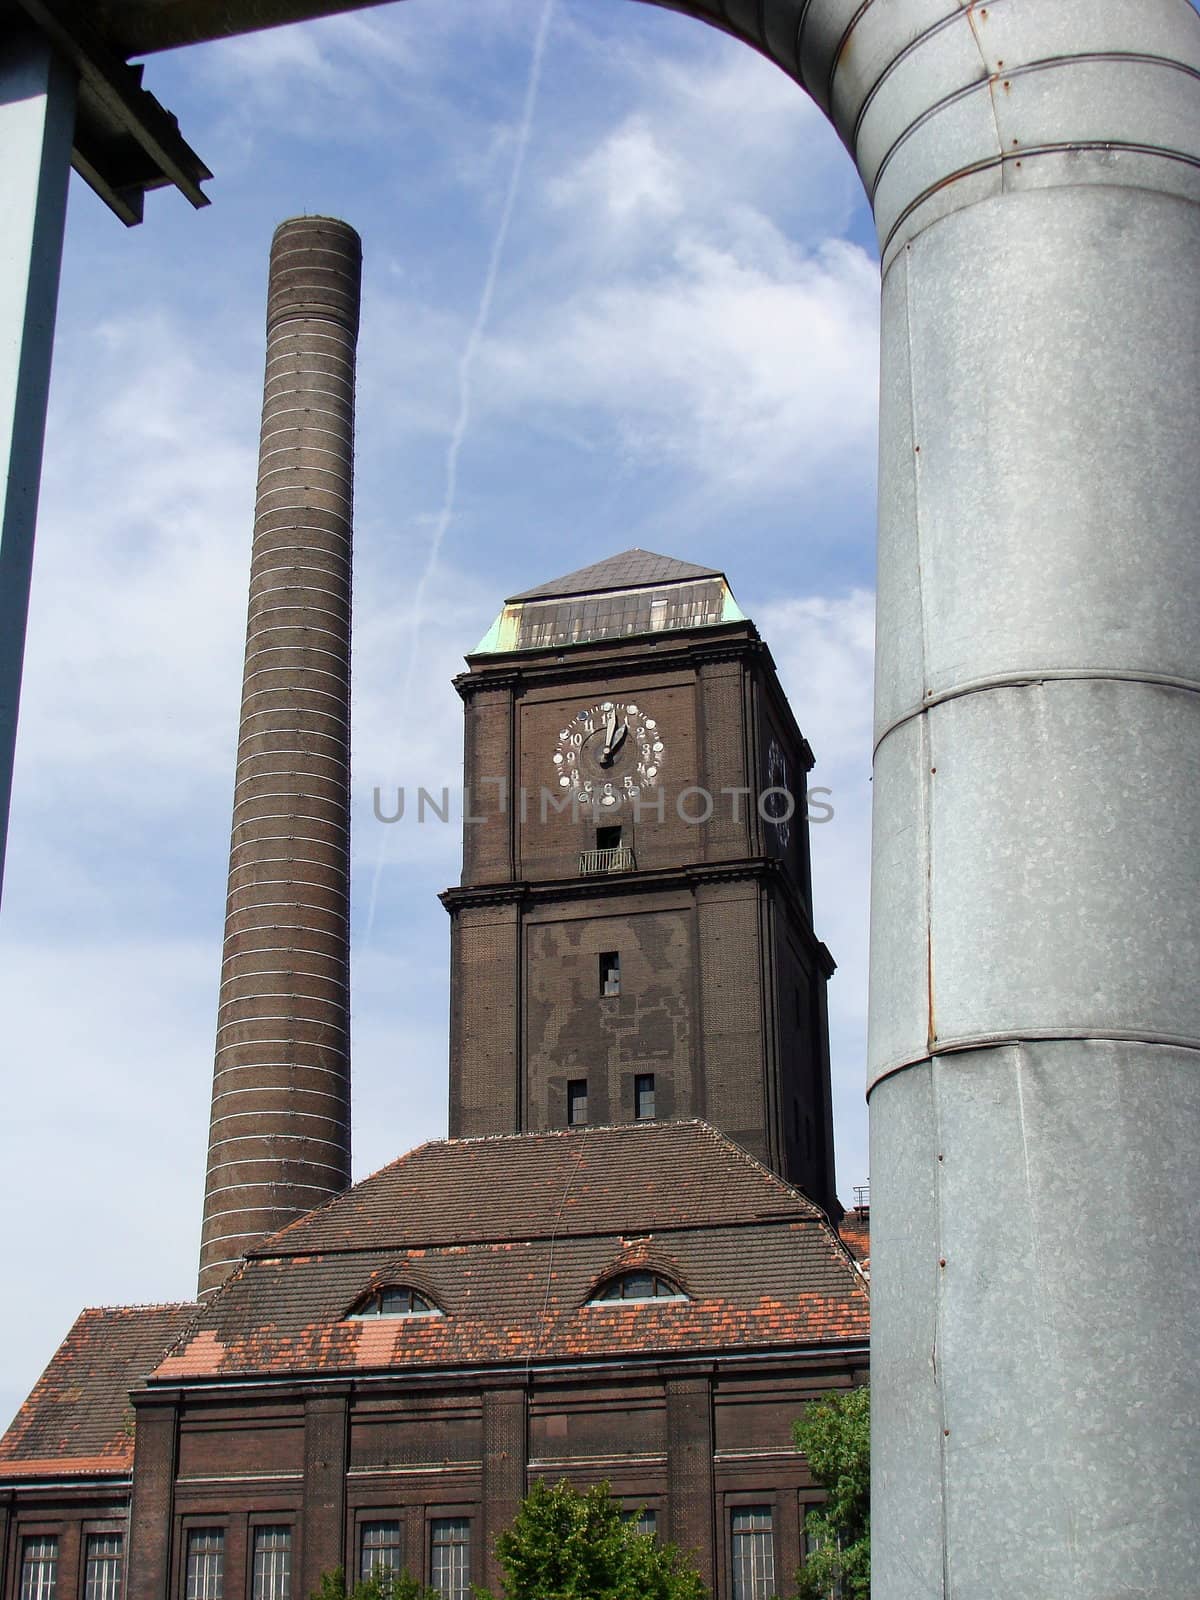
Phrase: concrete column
[1034,167]
[279,1142]
[37,120]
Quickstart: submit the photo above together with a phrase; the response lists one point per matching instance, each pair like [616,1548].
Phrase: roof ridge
[634,568]
[753,1161]
[564,1133]
[141,1305]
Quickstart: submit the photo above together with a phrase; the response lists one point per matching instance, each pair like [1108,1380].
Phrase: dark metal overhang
[138,26]
[125,142]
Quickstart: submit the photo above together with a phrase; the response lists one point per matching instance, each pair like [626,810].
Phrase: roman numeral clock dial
[609,753]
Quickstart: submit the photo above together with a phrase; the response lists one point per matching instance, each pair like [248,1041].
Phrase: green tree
[382,1584]
[835,1437]
[564,1545]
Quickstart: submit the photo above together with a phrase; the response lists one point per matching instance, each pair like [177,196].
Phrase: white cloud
[749,376]
[629,175]
[138,608]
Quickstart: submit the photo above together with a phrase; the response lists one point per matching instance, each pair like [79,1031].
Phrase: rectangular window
[753,1551]
[272,1563]
[576,1102]
[610,972]
[450,1557]
[105,1553]
[39,1567]
[205,1564]
[644,1520]
[380,1548]
[608,838]
[643,1096]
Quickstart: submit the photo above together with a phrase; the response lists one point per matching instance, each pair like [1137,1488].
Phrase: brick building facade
[623,1264]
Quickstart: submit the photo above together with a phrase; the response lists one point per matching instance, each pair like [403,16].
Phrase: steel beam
[37,114]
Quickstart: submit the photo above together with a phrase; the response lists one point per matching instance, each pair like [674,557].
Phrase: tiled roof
[78,1418]
[633,1178]
[510,1237]
[855,1229]
[632,569]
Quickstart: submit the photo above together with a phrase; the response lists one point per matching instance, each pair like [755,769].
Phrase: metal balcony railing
[620,859]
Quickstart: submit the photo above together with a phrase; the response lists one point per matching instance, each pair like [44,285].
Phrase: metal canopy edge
[138,27]
[124,142]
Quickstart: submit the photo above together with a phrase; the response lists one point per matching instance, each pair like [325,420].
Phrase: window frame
[260,1526]
[89,1533]
[193,1529]
[639,1512]
[374,1519]
[28,1538]
[435,1514]
[764,1586]
[359,1313]
[677,1295]
[640,1082]
[610,974]
[573,1098]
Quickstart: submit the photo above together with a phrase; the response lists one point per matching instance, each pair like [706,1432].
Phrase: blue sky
[678,351]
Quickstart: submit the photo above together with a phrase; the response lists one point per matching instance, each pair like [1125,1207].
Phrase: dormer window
[395,1301]
[637,1286]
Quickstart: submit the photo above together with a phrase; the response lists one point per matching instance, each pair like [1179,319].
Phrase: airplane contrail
[466,363]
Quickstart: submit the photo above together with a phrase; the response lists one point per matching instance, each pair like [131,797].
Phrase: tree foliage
[835,1437]
[382,1584]
[564,1545]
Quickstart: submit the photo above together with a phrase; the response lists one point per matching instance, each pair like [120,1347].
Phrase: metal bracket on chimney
[124,141]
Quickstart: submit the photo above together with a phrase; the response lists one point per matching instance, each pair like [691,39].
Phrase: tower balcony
[618,859]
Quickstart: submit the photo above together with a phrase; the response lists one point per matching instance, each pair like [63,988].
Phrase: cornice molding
[640,657]
[530,894]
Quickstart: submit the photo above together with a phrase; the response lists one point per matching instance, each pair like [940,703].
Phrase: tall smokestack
[279,1139]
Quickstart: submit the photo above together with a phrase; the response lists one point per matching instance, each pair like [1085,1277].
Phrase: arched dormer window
[395,1300]
[639,1285]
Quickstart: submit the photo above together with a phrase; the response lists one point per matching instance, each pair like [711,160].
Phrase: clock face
[777,809]
[611,752]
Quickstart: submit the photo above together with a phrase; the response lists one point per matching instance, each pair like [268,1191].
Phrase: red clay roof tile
[78,1418]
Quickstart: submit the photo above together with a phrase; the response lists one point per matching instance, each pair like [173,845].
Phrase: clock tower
[632,938]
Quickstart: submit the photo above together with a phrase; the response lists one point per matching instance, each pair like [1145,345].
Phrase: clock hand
[616,740]
[610,723]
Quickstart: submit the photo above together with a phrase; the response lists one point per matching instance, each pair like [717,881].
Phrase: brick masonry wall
[572,1031]
[279,1139]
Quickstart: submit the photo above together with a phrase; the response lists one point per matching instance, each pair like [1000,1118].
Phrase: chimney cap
[315,272]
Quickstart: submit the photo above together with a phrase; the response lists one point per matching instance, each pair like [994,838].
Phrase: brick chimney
[279,1138]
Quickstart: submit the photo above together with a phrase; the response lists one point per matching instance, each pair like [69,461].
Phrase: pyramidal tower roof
[632,569]
[624,596]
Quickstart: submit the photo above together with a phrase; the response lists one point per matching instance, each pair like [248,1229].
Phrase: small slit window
[637,1286]
[643,1096]
[395,1300]
[610,973]
[577,1107]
